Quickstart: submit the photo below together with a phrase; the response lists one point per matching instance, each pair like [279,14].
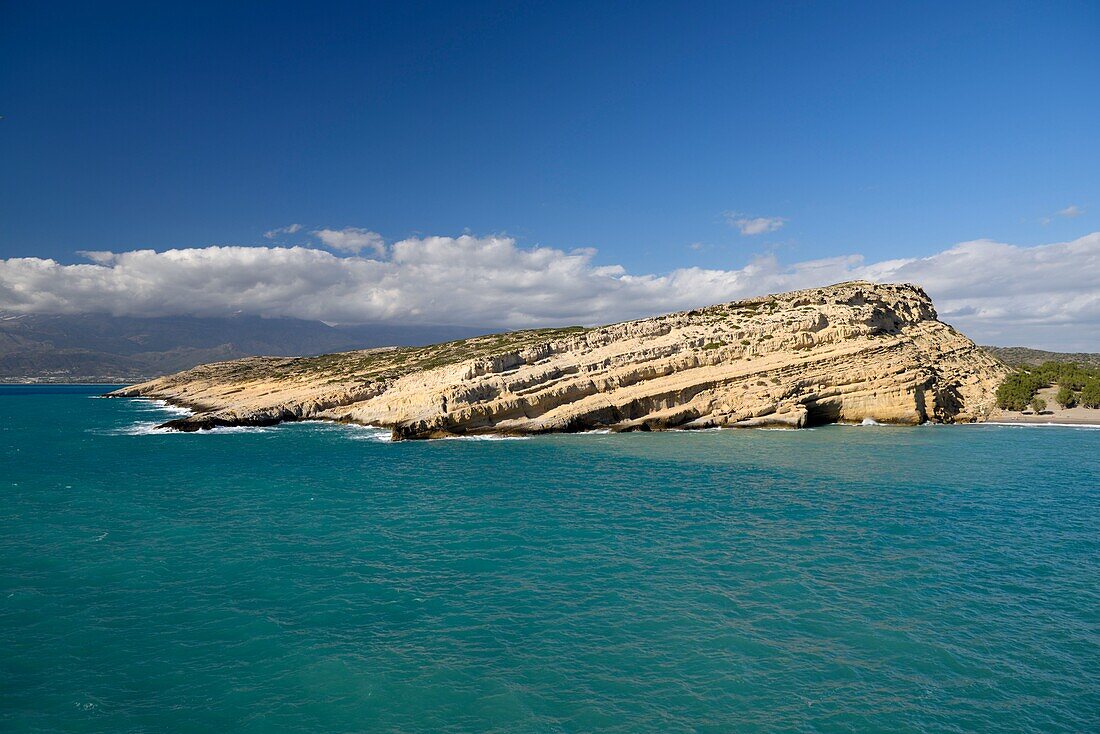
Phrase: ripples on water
[317,577]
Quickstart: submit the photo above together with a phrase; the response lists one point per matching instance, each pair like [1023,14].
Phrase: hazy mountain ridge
[104,348]
[1021,356]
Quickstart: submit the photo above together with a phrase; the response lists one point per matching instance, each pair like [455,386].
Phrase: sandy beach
[1054,414]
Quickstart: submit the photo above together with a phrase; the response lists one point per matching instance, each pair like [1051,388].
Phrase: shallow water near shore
[317,577]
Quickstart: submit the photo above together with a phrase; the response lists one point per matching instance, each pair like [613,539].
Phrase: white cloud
[352,239]
[754,225]
[289,229]
[1045,296]
[1070,212]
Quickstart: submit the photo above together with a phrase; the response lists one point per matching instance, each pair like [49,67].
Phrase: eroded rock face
[842,353]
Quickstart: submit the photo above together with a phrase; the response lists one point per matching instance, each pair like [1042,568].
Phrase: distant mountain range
[1021,356]
[103,348]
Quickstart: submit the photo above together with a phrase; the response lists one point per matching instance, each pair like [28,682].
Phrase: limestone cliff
[842,353]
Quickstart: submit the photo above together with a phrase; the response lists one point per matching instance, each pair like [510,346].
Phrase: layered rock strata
[843,353]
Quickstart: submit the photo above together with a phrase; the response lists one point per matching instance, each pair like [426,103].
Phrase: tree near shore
[1090,394]
[1038,405]
[1018,388]
[1016,391]
[1066,397]
[1065,373]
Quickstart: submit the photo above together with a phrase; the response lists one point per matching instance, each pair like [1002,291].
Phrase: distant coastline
[68,380]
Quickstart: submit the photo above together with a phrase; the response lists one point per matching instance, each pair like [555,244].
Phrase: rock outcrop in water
[844,353]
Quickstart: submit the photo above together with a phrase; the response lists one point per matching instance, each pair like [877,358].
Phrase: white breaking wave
[487,437]
[788,430]
[368,433]
[151,428]
[227,430]
[145,405]
[173,409]
[141,428]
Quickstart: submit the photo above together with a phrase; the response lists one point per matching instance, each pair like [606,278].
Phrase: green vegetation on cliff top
[389,363]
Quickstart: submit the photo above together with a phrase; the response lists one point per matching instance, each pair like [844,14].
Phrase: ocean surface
[315,577]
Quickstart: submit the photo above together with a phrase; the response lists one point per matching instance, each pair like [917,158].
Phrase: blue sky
[881,127]
[888,130]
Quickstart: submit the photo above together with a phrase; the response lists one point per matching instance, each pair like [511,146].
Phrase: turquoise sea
[314,577]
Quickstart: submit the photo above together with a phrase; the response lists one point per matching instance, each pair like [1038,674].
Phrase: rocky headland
[844,353]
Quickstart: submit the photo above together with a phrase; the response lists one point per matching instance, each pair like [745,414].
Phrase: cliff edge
[842,353]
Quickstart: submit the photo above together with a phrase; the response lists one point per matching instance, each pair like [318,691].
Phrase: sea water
[317,577]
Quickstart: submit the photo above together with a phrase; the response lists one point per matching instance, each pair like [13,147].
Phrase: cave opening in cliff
[822,413]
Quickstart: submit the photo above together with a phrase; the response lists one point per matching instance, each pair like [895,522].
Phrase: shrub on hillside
[1066,373]
[1066,397]
[1090,394]
[1016,391]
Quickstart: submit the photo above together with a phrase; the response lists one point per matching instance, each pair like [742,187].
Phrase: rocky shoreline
[843,353]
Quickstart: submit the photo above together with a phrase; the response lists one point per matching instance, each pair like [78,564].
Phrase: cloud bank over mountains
[1044,296]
